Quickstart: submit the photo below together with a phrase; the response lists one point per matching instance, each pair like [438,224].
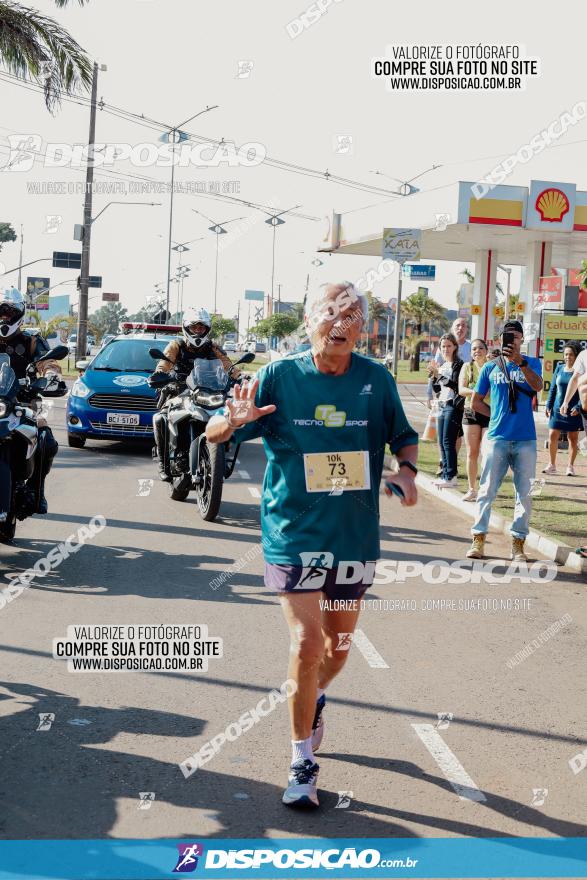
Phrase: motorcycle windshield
[208,374]
[7,376]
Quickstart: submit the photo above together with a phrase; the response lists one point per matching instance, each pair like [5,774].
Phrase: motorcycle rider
[180,355]
[24,349]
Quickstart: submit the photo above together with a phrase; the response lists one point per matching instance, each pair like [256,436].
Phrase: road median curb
[562,554]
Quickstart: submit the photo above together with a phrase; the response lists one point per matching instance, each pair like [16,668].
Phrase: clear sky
[168,59]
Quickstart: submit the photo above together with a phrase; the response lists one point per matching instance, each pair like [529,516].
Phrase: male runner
[325,416]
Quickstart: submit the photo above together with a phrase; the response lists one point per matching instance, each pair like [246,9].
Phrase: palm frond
[35,47]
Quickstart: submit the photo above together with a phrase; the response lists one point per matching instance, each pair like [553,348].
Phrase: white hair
[352,294]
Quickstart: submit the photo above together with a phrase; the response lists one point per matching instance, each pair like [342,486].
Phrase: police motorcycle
[21,442]
[195,464]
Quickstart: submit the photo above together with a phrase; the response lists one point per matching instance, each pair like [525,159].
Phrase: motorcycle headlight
[80,389]
[211,400]
[3,408]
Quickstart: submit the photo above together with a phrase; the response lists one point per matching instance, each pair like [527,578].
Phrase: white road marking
[368,650]
[452,769]
[244,474]
[254,492]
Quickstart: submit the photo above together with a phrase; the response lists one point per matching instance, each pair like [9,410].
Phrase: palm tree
[420,308]
[35,47]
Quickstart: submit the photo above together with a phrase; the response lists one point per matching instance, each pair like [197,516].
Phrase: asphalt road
[482,772]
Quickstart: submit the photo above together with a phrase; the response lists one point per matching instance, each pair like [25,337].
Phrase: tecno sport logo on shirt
[326,415]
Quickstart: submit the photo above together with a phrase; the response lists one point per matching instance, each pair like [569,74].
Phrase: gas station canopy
[539,227]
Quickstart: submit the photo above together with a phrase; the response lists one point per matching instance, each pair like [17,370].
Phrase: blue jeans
[520,455]
[448,426]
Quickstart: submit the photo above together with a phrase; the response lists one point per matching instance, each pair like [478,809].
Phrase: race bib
[337,471]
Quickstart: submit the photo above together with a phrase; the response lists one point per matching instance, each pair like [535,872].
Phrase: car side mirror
[82,365]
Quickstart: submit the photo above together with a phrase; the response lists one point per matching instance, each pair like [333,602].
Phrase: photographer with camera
[513,381]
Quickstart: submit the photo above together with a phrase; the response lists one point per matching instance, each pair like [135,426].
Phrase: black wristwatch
[409,465]
[523,363]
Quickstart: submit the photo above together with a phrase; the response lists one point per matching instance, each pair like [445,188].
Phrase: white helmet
[12,309]
[191,317]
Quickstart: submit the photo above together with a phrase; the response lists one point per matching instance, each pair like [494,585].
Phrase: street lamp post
[175,136]
[218,230]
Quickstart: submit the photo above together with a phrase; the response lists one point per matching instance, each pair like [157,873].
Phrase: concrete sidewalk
[561,553]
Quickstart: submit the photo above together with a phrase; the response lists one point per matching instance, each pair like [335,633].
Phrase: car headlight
[80,389]
[3,408]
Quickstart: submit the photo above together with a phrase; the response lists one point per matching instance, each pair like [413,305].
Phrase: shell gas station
[541,228]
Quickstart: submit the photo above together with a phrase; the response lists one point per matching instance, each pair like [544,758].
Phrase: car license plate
[122,419]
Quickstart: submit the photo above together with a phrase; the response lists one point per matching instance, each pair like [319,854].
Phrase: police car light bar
[128,326]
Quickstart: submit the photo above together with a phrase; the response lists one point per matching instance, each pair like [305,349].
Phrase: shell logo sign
[552,205]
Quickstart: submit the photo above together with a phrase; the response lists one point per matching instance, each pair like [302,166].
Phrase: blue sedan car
[112,399]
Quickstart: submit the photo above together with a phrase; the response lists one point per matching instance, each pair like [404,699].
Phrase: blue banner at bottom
[384,858]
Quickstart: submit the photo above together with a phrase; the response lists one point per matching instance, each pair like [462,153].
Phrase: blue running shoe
[301,791]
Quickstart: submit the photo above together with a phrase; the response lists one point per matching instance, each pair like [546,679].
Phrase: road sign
[401,245]
[110,297]
[94,281]
[255,295]
[65,260]
[420,272]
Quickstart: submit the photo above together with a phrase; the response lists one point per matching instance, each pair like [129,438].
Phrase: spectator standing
[450,408]
[513,381]
[474,423]
[571,423]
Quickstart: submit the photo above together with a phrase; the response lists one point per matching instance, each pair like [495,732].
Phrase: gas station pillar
[538,263]
[483,320]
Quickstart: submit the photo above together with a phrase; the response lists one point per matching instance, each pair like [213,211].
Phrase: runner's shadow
[505,806]
[89,786]
[132,571]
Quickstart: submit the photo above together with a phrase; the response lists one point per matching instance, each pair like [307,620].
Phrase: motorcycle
[20,440]
[193,463]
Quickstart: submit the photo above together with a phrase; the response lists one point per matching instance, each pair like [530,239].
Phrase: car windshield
[208,374]
[7,375]
[128,355]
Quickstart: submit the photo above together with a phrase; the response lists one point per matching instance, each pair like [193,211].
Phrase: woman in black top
[445,383]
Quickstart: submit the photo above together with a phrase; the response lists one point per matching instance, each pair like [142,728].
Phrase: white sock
[321,692]
[301,750]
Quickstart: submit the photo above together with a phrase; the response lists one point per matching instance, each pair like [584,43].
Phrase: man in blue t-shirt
[325,417]
[513,381]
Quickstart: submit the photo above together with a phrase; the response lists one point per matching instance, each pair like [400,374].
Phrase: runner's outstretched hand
[242,407]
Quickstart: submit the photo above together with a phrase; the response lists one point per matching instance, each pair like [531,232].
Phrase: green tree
[222,326]
[377,309]
[419,308]
[108,318]
[280,325]
[35,47]
[143,315]
[7,233]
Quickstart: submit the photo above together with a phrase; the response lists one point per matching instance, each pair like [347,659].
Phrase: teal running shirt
[357,412]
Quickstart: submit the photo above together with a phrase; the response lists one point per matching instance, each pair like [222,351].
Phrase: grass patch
[559,518]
